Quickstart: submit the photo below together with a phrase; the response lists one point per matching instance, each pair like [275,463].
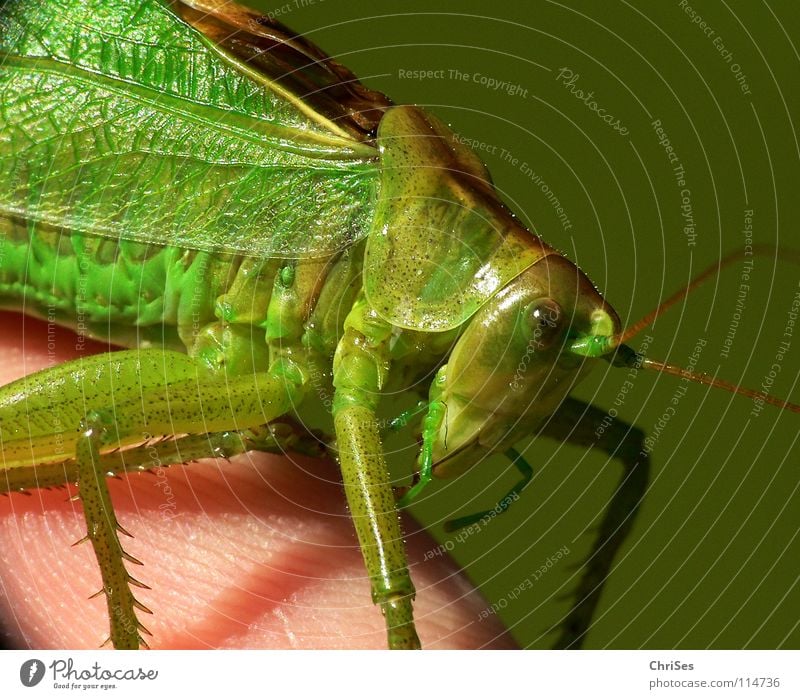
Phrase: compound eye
[546,319]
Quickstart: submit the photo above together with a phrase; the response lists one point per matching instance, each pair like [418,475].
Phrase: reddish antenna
[630,358]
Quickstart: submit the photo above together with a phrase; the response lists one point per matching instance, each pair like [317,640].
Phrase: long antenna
[630,358]
[665,368]
[707,273]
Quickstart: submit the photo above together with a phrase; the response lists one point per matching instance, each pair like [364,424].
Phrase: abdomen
[133,294]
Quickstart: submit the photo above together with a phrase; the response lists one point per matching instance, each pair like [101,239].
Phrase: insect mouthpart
[601,339]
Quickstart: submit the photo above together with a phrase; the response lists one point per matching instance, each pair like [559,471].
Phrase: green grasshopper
[191,180]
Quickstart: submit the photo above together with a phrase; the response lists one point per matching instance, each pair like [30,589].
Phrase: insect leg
[430,429]
[576,422]
[400,421]
[277,437]
[90,469]
[512,496]
[124,399]
[360,365]
[102,530]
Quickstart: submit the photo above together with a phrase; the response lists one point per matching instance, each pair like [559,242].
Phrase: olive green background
[713,560]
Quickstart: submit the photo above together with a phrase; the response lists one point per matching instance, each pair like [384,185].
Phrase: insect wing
[290,62]
[122,120]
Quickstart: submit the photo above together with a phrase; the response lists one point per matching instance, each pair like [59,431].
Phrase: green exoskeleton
[189,180]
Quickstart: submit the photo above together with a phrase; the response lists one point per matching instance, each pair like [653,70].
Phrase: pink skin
[256,553]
